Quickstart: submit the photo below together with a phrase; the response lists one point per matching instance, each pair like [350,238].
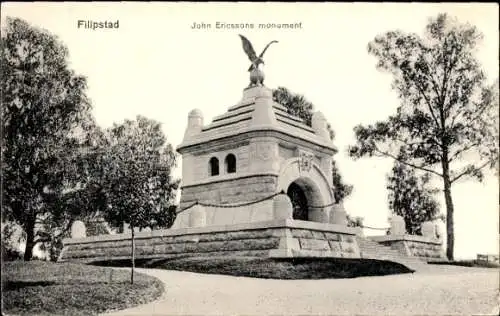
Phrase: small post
[133,255]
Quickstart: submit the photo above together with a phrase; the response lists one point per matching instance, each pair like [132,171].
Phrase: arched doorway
[299,202]
[315,190]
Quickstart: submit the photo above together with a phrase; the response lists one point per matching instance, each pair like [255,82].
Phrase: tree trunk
[133,255]
[450,234]
[30,240]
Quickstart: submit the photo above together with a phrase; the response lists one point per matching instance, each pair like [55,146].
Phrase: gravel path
[438,290]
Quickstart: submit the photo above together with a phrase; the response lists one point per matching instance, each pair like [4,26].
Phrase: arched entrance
[299,202]
[308,189]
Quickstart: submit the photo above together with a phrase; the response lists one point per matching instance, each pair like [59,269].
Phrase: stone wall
[316,243]
[258,212]
[235,190]
[278,238]
[425,250]
[250,243]
[413,246]
[197,165]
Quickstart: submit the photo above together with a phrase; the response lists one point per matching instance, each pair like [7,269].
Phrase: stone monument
[253,151]
[256,181]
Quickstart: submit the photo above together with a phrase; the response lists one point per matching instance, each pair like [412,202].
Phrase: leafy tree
[85,201]
[299,106]
[97,227]
[411,197]
[45,120]
[296,104]
[139,190]
[447,120]
[341,189]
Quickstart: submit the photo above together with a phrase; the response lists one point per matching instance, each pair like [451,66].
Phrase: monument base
[421,247]
[275,239]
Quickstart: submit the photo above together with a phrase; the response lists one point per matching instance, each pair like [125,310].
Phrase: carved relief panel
[306,160]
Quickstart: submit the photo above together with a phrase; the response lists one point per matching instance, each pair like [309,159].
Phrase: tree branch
[454,118]
[421,167]
[420,89]
[467,171]
[444,88]
[445,77]
[435,87]
[462,150]
[408,143]
[478,113]
[452,65]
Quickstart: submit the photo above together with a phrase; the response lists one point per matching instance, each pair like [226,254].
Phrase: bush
[10,253]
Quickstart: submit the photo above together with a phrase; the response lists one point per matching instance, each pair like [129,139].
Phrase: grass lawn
[47,288]
[293,268]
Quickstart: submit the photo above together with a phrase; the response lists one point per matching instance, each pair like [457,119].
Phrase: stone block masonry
[237,190]
[422,247]
[277,238]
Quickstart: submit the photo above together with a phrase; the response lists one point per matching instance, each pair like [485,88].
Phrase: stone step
[373,250]
[382,251]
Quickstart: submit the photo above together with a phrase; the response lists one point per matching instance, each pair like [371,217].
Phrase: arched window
[214,166]
[230,163]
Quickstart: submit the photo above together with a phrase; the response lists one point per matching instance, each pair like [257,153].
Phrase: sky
[154,64]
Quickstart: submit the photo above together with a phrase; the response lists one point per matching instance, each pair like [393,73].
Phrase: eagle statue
[248,48]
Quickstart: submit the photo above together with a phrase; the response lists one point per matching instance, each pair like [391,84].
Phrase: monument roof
[256,111]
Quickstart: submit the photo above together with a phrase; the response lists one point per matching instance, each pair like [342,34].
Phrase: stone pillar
[327,167]
[189,169]
[195,124]
[320,215]
[263,115]
[439,232]
[338,215]
[398,226]
[428,230]
[319,124]
[283,208]
[359,232]
[197,216]
[78,230]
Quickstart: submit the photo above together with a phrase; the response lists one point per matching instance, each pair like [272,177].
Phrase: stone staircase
[373,250]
